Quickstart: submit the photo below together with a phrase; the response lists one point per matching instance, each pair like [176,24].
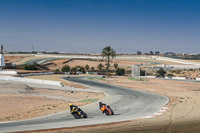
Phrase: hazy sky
[90,25]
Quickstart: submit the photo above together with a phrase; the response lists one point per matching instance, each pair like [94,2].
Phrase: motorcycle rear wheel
[112,112]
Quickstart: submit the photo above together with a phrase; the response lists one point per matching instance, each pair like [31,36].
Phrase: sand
[20,102]
[13,59]
[182,114]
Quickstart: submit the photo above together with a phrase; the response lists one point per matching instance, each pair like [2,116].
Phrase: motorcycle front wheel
[85,115]
[106,112]
[76,115]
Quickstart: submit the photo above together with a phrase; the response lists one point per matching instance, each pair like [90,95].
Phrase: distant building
[192,54]
[151,53]
[139,52]
[157,53]
[170,54]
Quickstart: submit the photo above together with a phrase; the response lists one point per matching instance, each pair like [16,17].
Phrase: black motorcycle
[78,113]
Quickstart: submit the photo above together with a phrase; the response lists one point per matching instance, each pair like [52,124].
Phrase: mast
[1,49]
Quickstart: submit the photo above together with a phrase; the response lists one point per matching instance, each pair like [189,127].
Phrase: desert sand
[182,115]
[20,102]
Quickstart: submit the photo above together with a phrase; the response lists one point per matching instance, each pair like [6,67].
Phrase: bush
[31,67]
[178,71]
[120,71]
[73,70]
[129,72]
[92,69]
[161,72]
[170,75]
[142,72]
[115,65]
[82,69]
[66,68]
[87,67]
[100,66]
[56,71]
[78,69]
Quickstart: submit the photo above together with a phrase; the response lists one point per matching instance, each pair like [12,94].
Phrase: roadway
[127,104]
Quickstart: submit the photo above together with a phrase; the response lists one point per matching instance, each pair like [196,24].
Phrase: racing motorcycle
[107,110]
[78,113]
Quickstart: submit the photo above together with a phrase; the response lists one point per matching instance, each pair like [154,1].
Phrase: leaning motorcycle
[107,110]
[78,113]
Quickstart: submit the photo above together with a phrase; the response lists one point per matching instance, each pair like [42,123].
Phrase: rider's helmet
[70,104]
[100,103]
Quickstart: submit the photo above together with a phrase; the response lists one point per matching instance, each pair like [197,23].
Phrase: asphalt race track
[127,104]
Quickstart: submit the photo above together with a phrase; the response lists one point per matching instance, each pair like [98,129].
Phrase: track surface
[127,104]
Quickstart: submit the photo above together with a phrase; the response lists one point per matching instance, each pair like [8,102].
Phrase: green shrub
[100,66]
[115,65]
[56,71]
[161,72]
[170,75]
[142,72]
[178,71]
[78,68]
[87,67]
[120,71]
[66,68]
[92,69]
[31,67]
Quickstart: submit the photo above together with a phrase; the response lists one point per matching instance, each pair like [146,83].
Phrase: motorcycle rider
[77,112]
[74,107]
[101,105]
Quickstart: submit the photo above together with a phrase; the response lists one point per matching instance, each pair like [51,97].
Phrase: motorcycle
[107,110]
[78,113]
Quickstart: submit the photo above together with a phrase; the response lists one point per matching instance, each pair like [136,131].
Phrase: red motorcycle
[107,110]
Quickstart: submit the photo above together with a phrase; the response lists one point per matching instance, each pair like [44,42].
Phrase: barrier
[8,72]
[91,73]
[197,78]
[27,80]
[36,74]
[180,66]
[181,61]
[147,76]
[179,78]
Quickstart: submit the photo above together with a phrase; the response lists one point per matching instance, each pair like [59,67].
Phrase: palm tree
[108,52]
